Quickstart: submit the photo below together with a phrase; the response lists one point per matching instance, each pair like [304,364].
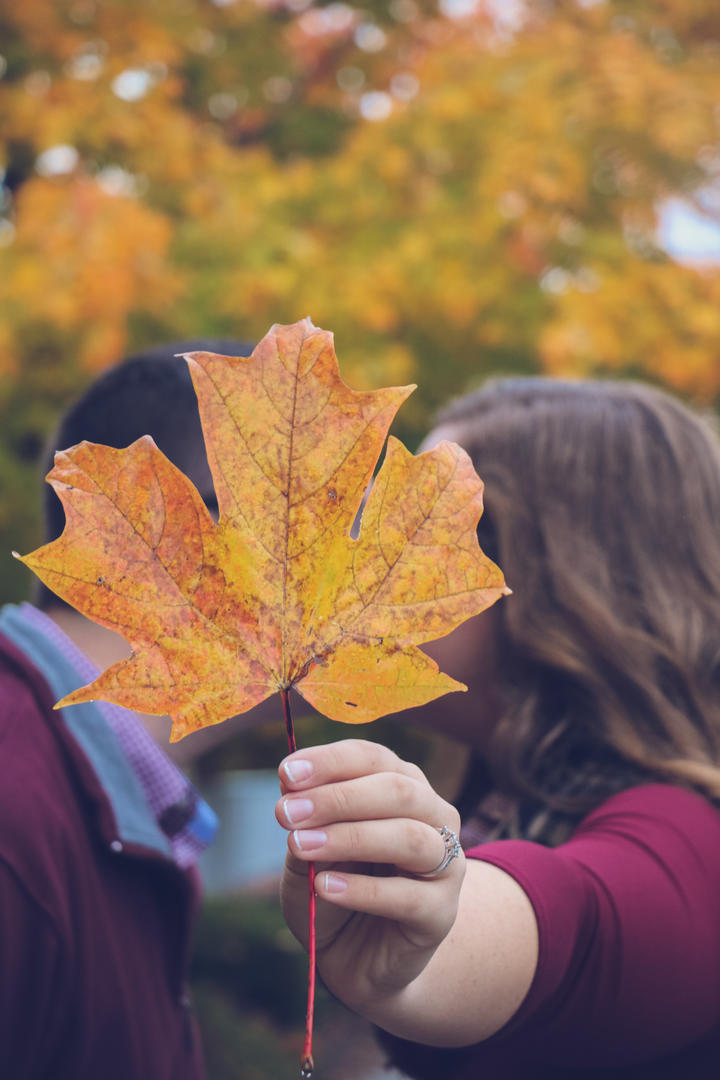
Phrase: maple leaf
[277,593]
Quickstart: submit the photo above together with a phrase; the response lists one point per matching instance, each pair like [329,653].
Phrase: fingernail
[310,839]
[298,770]
[334,884]
[297,809]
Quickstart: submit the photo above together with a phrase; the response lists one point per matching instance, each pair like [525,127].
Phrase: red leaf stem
[306,1064]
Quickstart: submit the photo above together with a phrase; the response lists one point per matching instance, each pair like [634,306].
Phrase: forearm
[478,976]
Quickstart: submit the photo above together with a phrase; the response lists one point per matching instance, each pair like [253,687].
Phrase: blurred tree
[454,189]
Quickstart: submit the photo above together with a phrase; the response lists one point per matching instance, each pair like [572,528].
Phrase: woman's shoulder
[650,812]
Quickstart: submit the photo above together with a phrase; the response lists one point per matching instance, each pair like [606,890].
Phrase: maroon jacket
[94,931]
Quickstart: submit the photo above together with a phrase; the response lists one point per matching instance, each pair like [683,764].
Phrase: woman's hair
[603,510]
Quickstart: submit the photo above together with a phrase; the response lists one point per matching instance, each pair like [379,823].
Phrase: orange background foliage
[455,196]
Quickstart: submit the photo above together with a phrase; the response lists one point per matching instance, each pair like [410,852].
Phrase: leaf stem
[306,1064]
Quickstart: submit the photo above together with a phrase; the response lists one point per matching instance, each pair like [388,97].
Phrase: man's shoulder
[26,710]
[38,805]
[23,688]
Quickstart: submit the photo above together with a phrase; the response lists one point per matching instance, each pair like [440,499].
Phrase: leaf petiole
[306,1063]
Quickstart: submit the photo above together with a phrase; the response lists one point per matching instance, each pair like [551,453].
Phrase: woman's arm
[623,917]
[479,974]
[445,961]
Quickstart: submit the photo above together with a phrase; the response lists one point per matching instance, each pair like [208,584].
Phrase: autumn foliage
[454,192]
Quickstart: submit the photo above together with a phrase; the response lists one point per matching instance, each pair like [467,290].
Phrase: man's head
[149,393]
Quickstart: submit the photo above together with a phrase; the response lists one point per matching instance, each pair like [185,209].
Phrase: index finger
[344,760]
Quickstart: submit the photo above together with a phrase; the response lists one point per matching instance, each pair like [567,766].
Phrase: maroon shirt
[627,985]
[94,930]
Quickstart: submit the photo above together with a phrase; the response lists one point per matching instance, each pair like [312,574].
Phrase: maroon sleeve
[33,984]
[628,913]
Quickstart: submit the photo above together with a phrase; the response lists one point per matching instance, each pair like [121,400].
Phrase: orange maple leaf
[277,593]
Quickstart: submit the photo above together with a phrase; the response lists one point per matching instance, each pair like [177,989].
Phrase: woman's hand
[444,960]
[370,822]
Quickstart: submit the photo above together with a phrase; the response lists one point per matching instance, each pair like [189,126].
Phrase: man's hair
[148,393]
[603,503]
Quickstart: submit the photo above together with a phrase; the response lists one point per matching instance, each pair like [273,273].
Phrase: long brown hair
[603,509]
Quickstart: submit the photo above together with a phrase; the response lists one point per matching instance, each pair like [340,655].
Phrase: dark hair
[148,393]
[603,510]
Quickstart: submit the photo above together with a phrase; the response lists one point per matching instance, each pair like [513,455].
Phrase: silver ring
[452,850]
